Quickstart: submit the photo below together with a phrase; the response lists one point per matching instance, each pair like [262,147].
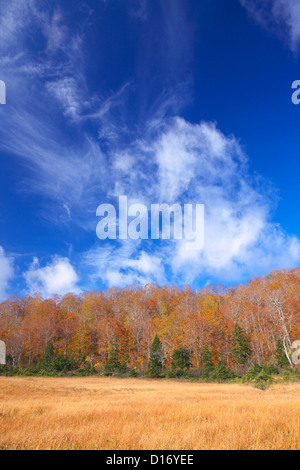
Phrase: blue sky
[165,101]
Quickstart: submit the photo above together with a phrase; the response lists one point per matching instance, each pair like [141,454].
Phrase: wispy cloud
[122,265]
[282,16]
[55,31]
[68,171]
[138,9]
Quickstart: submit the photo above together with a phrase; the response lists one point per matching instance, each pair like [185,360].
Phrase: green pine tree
[207,361]
[156,358]
[122,369]
[181,358]
[241,350]
[48,357]
[112,365]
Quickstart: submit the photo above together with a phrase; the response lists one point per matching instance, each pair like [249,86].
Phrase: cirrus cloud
[280,15]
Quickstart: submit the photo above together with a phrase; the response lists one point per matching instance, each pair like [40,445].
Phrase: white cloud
[14,18]
[239,236]
[283,14]
[196,163]
[6,273]
[124,265]
[58,277]
[186,152]
[66,91]
[55,31]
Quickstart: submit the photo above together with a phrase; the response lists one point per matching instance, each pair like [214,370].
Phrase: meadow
[136,414]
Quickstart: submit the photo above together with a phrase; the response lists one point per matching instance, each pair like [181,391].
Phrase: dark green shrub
[29,372]
[258,372]
[260,376]
[171,374]
[221,373]
[181,374]
[133,373]
[270,369]
[252,372]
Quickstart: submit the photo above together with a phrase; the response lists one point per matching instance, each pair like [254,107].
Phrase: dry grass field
[126,414]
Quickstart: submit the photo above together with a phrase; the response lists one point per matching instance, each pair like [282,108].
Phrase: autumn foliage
[120,325]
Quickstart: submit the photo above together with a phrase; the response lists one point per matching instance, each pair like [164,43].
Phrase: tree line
[213,332]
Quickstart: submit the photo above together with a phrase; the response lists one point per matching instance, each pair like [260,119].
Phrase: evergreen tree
[122,368]
[156,358]
[207,361]
[48,357]
[241,350]
[281,359]
[112,365]
[181,358]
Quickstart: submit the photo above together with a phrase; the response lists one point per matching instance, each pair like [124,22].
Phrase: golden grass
[133,414]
